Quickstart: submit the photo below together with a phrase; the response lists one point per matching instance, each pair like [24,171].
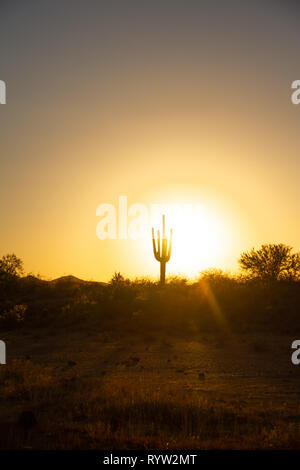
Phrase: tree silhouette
[271,262]
[11,266]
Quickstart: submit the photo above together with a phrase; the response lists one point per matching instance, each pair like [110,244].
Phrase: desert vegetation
[134,364]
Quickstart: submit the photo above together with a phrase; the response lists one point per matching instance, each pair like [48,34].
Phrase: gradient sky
[183,100]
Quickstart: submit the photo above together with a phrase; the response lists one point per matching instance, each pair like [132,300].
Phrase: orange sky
[160,105]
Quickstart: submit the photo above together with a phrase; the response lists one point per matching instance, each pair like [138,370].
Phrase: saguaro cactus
[161,251]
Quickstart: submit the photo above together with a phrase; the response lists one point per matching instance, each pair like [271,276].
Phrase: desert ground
[73,388]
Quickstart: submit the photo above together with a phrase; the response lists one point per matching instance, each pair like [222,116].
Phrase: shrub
[13,317]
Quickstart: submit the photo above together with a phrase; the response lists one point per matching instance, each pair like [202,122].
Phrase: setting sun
[199,242]
[200,237]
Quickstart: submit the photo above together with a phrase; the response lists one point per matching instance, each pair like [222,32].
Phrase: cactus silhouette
[161,251]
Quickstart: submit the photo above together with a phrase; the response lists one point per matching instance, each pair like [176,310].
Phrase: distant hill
[68,279]
[74,280]
[61,280]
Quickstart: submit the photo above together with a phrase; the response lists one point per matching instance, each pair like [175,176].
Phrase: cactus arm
[154,246]
[170,246]
[154,249]
[153,242]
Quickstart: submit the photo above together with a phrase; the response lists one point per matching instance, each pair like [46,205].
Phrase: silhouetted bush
[215,302]
[13,317]
[271,263]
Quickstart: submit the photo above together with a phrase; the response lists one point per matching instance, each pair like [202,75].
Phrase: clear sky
[158,100]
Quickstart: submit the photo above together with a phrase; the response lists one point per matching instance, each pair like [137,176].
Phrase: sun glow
[200,238]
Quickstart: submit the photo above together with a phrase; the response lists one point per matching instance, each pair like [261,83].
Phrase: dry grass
[131,365]
[108,398]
